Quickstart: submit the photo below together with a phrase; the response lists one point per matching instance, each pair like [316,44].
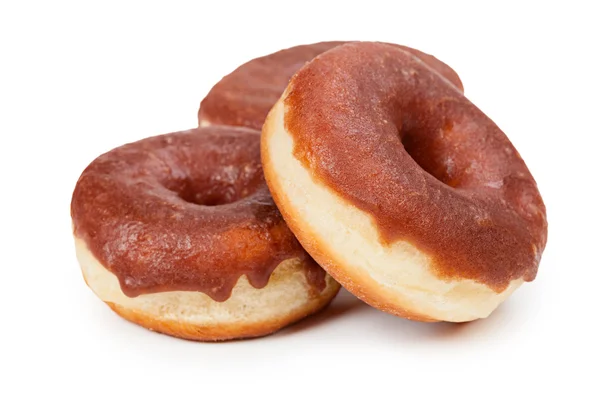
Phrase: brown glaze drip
[391,137]
[244,97]
[185,211]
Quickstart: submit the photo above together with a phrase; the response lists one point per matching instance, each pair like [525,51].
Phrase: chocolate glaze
[391,137]
[185,211]
[244,97]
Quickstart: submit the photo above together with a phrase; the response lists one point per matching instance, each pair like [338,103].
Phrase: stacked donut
[380,175]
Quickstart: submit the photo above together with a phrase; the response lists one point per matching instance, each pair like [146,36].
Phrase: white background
[79,79]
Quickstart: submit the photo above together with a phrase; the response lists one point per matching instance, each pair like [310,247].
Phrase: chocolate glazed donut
[245,96]
[402,189]
[179,234]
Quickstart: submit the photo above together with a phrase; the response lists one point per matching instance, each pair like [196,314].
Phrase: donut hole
[214,166]
[429,155]
[211,198]
[212,192]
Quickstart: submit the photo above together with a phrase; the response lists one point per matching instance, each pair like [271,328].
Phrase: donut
[179,234]
[245,96]
[400,187]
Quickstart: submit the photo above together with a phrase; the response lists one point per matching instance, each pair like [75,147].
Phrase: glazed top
[245,96]
[185,211]
[396,140]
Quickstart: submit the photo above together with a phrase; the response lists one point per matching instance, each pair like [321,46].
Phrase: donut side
[345,241]
[249,312]
[178,233]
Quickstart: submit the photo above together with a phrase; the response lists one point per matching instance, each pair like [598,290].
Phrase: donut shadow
[343,305]
[389,327]
[380,326]
[400,329]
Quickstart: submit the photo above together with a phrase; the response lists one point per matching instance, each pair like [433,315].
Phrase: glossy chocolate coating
[185,211]
[245,96]
[393,138]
